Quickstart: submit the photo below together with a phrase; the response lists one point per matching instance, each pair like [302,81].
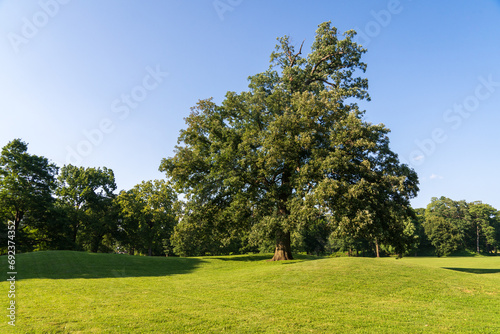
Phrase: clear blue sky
[108,83]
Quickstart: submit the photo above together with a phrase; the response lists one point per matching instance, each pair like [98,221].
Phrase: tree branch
[322,80]
[292,60]
[323,59]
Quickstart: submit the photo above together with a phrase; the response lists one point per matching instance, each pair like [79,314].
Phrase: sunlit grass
[80,292]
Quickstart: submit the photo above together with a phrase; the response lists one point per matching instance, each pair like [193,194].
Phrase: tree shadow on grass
[265,257]
[475,270]
[70,265]
[243,258]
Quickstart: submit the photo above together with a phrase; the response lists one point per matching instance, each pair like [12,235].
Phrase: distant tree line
[445,227]
[77,208]
[448,226]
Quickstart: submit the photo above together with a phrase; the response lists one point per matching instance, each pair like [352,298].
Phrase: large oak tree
[294,148]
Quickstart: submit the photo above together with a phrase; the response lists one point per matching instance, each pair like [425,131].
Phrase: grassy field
[73,292]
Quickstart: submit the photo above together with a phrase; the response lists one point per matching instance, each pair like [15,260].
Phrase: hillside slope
[76,292]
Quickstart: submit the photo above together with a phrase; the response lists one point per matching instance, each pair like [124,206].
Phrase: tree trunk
[17,220]
[150,238]
[283,249]
[477,238]
[95,243]
[376,248]
[75,233]
[94,247]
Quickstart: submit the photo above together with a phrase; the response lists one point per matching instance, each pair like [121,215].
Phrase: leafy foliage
[147,217]
[26,185]
[458,225]
[486,221]
[87,195]
[294,149]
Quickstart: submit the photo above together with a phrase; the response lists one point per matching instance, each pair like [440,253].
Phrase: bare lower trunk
[477,238]
[376,248]
[94,245]
[17,220]
[283,250]
[75,233]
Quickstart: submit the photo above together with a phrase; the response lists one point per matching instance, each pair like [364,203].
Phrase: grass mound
[73,292]
[69,265]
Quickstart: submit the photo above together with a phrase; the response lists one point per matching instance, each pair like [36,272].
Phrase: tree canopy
[293,149]
[87,194]
[27,182]
[147,217]
[458,226]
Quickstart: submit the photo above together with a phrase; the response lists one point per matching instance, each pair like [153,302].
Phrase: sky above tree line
[108,83]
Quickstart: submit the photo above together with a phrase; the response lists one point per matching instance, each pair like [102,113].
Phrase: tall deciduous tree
[447,224]
[295,148]
[148,216]
[26,184]
[87,193]
[484,219]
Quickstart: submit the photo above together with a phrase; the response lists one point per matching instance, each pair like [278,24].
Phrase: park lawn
[77,292]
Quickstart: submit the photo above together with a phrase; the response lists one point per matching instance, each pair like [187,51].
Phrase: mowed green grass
[75,292]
